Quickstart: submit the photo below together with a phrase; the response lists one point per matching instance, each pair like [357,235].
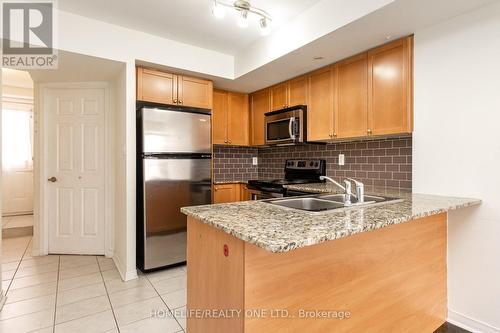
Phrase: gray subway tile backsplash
[378,162]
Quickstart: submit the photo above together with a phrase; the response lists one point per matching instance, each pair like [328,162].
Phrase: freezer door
[175,131]
[170,184]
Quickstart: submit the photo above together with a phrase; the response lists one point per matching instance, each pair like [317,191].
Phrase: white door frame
[41,223]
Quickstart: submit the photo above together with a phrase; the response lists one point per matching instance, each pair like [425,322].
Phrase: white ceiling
[399,18]
[187,21]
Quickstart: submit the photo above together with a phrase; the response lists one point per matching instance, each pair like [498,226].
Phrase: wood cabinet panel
[332,276]
[320,105]
[352,101]
[157,87]
[279,96]
[260,104]
[219,117]
[390,88]
[195,92]
[215,281]
[297,91]
[237,119]
[226,193]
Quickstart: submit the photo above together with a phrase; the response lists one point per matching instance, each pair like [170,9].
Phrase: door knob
[52,179]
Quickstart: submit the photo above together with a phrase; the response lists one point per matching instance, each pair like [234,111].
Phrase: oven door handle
[290,128]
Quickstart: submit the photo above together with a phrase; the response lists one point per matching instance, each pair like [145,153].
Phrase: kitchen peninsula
[278,269]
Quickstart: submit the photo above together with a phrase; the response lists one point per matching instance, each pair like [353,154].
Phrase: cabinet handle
[334,134]
[180,102]
[369,131]
[175,101]
[216,189]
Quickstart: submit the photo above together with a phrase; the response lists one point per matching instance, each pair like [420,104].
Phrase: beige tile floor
[63,293]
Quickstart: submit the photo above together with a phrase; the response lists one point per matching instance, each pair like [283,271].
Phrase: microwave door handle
[290,128]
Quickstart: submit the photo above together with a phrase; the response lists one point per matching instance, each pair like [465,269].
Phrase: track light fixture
[244,8]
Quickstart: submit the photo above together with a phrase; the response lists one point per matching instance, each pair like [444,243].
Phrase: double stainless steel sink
[319,203]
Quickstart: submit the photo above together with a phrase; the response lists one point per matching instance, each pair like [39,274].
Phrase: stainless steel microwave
[287,126]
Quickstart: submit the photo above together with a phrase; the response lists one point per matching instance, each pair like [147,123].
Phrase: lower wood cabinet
[223,193]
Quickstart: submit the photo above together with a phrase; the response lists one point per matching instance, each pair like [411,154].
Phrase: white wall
[456,151]
[122,247]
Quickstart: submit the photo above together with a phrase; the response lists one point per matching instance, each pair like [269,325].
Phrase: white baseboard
[470,324]
[125,275]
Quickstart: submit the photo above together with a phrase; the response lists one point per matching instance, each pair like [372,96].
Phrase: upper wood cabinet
[289,93]
[166,88]
[194,92]
[298,91]
[320,108]
[368,94]
[238,124]
[390,89]
[279,96]
[230,118]
[260,103]
[219,117]
[352,97]
[157,87]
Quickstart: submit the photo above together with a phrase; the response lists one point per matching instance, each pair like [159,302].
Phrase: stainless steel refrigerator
[173,171]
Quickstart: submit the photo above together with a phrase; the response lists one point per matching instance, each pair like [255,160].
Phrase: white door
[75,170]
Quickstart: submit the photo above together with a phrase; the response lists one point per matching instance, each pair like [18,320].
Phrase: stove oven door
[260,195]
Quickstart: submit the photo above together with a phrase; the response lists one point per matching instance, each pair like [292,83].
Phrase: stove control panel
[304,164]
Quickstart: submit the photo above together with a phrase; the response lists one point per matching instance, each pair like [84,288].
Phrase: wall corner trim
[470,324]
[124,274]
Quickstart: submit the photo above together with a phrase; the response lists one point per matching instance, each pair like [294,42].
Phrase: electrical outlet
[341,159]
[255,161]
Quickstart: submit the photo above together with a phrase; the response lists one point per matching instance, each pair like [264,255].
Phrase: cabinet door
[238,119]
[194,92]
[279,96]
[297,91]
[244,194]
[219,118]
[390,88]
[260,104]
[351,118]
[320,105]
[226,193]
[157,87]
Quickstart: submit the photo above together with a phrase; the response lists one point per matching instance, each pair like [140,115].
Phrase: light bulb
[218,10]
[265,27]
[242,20]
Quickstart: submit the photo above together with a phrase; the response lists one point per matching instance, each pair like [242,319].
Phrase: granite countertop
[327,187]
[222,182]
[278,229]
